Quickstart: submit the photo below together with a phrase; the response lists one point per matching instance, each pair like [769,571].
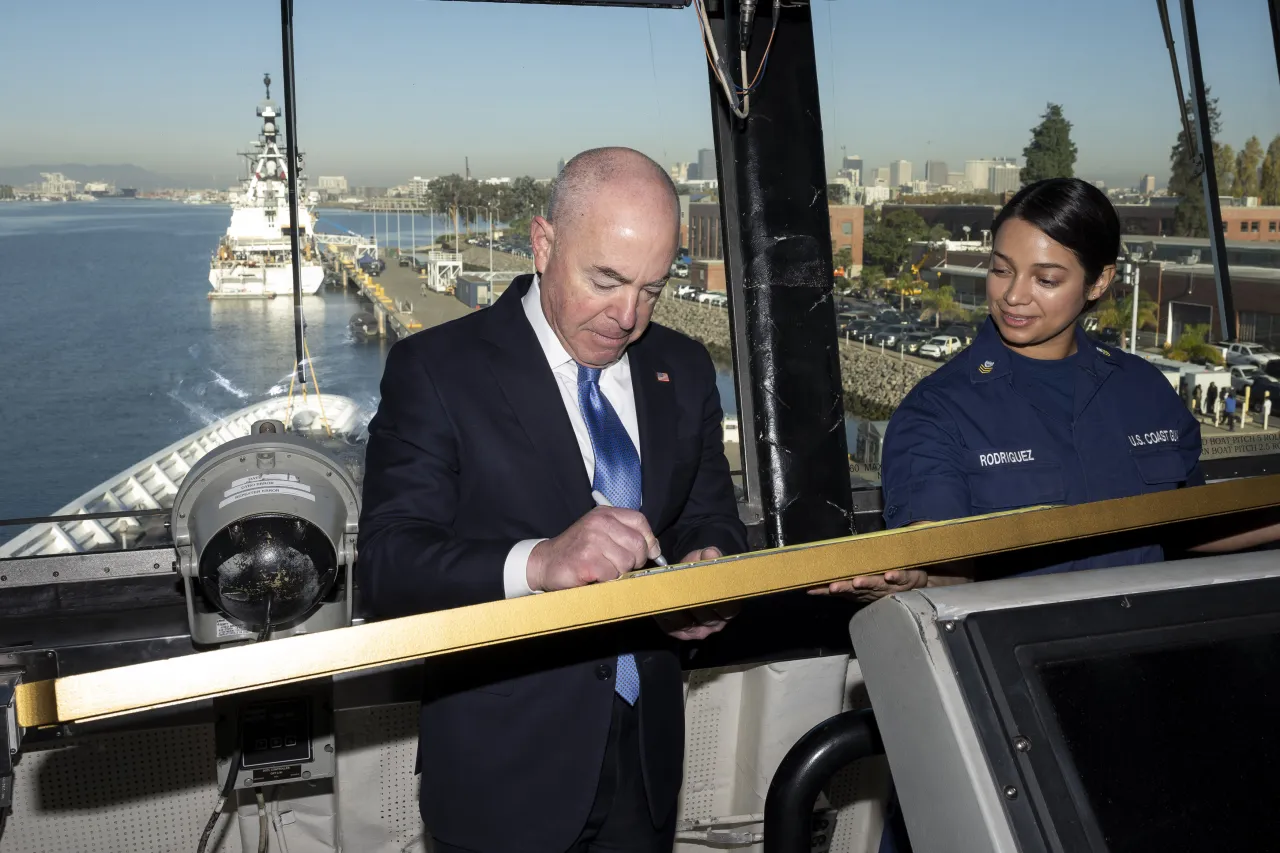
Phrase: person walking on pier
[553,440]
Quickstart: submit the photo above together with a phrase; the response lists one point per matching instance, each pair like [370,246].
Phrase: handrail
[807,766]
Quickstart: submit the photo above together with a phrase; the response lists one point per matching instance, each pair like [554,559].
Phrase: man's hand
[603,545]
[702,622]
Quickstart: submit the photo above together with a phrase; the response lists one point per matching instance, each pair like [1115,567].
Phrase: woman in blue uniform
[1035,412]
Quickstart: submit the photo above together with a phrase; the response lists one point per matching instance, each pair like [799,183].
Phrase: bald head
[604,251]
[600,174]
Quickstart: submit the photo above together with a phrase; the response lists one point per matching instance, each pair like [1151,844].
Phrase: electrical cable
[227,787]
[262,820]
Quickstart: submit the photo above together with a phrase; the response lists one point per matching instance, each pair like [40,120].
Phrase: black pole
[1274,7]
[291,158]
[807,766]
[1212,208]
[778,269]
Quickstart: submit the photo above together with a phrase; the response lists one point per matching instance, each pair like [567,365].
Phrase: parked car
[1262,384]
[686,291]
[941,347]
[889,335]
[913,341]
[680,270]
[704,296]
[1244,353]
[718,299]
[1242,375]
[966,334]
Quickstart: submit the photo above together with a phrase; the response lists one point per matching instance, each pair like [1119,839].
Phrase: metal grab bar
[807,766]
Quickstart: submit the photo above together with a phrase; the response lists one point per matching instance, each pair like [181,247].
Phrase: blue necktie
[617,477]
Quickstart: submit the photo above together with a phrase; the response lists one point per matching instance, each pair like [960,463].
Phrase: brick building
[705,235]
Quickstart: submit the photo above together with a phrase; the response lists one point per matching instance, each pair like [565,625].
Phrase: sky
[396,88]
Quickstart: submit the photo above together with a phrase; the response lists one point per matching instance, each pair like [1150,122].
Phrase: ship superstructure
[254,257]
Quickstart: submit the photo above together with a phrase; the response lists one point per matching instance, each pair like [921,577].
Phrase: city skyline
[172,89]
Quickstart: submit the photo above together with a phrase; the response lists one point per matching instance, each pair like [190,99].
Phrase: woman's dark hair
[1076,214]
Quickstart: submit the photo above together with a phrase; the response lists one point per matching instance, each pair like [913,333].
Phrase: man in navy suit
[492,434]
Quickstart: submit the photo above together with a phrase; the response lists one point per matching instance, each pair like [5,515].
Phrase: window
[1271,226]
[846,228]
[1244,227]
[1253,226]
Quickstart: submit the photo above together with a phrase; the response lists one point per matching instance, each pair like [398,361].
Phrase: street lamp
[1130,275]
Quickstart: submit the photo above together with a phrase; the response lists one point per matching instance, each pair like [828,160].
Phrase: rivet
[155,565]
[248,780]
[949,627]
[1021,744]
[55,574]
[306,774]
[328,747]
[1010,792]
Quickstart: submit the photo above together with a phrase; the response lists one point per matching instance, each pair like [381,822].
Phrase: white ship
[255,256]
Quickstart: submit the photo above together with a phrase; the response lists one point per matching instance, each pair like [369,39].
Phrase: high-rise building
[691,173]
[853,163]
[419,187]
[955,179]
[881,177]
[1004,178]
[899,173]
[679,172]
[1147,185]
[935,172]
[706,164]
[560,165]
[977,173]
[331,183]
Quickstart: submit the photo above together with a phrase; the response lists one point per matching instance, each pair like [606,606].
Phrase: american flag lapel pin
[662,377]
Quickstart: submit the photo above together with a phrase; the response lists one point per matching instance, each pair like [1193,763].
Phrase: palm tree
[940,303]
[1118,315]
[1191,346]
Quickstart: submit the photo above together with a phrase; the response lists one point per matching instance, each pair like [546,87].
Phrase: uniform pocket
[1013,486]
[1159,467]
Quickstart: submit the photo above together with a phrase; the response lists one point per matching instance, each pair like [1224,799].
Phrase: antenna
[467,162]
[266,81]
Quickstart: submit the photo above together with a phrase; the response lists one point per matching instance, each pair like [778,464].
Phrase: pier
[397,297]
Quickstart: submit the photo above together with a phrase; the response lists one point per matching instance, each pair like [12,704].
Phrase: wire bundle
[737,96]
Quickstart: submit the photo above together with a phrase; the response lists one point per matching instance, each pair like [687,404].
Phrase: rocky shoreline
[874,384]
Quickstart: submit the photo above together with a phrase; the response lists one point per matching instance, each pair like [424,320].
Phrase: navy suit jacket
[471,451]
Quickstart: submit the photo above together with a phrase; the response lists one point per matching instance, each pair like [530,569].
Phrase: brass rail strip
[233,670]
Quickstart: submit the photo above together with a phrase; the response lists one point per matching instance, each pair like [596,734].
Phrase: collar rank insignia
[1107,353]
[986,366]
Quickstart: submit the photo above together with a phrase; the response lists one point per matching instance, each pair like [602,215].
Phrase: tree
[1247,166]
[902,285]
[1191,346]
[1184,181]
[870,279]
[940,303]
[888,245]
[1224,166]
[1270,184]
[837,194]
[938,233]
[843,259]
[1051,153]
[1118,315]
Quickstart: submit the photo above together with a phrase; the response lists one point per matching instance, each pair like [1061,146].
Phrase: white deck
[153,482]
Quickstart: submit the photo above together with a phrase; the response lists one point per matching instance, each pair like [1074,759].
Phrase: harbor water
[111,350]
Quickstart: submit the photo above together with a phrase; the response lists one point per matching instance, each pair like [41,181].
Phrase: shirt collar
[989,357]
[557,356]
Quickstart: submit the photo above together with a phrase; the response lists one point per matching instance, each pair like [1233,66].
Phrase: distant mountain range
[119,174]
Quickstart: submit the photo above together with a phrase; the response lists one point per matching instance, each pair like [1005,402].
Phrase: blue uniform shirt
[978,437]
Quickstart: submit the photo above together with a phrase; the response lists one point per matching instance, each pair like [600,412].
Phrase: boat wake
[225,383]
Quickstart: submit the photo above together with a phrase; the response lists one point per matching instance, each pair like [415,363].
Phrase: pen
[601,500]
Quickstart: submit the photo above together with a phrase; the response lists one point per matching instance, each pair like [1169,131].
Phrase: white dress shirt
[615,384]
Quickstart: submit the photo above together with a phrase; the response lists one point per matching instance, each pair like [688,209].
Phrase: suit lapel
[656,413]
[530,389]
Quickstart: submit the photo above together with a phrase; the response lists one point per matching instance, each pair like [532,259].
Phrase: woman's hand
[869,588]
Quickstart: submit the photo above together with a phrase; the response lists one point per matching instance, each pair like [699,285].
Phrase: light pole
[1132,275]
[488,215]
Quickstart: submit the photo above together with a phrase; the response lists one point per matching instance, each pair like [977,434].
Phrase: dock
[398,298]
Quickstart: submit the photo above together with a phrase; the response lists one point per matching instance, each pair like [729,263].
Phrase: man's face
[603,271]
